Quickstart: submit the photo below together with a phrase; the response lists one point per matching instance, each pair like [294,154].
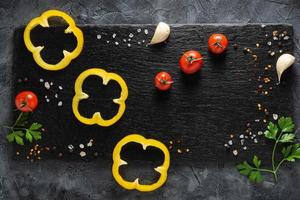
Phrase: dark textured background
[62,180]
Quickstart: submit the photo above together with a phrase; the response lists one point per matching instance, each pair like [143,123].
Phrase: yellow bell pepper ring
[36,50]
[117,162]
[80,95]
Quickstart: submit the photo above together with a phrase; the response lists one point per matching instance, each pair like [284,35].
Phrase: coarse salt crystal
[230,142]
[146,31]
[131,35]
[82,154]
[59,103]
[242,141]
[235,152]
[89,144]
[275,116]
[47,85]
[60,87]
[41,80]
[114,35]
[98,36]
[139,30]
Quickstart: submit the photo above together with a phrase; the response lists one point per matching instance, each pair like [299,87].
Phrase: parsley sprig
[283,134]
[19,131]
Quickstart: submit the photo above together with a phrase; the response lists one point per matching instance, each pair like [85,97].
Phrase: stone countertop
[55,179]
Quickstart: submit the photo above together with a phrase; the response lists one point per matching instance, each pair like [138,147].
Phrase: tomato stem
[164,81]
[218,44]
[191,59]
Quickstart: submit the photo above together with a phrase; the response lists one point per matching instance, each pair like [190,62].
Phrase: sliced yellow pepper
[36,50]
[117,162]
[80,95]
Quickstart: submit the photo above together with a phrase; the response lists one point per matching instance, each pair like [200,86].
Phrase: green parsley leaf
[35,127]
[286,124]
[252,173]
[244,168]
[256,162]
[255,176]
[288,137]
[286,151]
[294,154]
[19,140]
[10,137]
[272,131]
[28,136]
[36,134]
[18,133]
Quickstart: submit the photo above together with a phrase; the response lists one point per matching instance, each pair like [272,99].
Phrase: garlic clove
[161,33]
[284,62]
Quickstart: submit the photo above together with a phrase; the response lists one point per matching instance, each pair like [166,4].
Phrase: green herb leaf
[244,168]
[286,124]
[10,137]
[272,131]
[288,137]
[255,176]
[19,140]
[19,133]
[36,134]
[256,162]
[286,151]
[28,136]
[35,127]
[294,153]
[252,173]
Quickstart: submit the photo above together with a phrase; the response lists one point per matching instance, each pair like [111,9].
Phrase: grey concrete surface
[61,180]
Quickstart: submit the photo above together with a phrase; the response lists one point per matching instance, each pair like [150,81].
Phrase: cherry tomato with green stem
[217,43]
[191,62]
[163,81]
[26,101]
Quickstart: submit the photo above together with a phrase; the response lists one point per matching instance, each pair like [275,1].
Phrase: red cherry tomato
[191,62]
[217,43]
[26,101]
[163,81]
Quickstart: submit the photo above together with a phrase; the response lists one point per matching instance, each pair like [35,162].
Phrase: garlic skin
[161,33]
[284,62]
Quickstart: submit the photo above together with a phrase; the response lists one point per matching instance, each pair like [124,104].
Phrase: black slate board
[200,111]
